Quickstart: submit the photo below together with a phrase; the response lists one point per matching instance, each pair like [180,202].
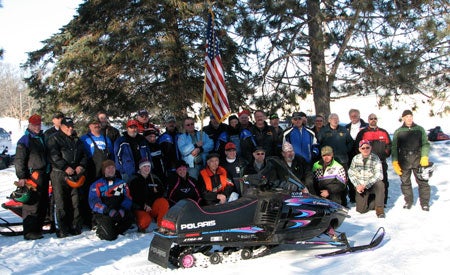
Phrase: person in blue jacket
[194,146]
[129,149]
[110,200]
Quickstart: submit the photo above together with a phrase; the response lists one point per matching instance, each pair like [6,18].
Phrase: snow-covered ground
[416,242]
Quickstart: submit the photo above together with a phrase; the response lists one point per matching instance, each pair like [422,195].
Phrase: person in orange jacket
[214,182]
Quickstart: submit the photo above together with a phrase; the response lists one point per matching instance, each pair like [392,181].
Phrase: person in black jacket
[182,186]
[68,160]
[32,166]
[299,167]
[147,192]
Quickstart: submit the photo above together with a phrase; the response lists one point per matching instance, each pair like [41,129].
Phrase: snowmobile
[436,134]
[265,216]
[14,204]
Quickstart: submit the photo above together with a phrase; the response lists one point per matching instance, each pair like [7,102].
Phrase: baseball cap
[229,146]
[142,112]
[259,148]
[326,150]
[296,114]
[132,122]
[169,118]
[364,141]
[67,121]
[273,116]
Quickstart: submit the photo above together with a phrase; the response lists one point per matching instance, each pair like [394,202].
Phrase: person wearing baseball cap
[30,162]
[298,166]
[366,175]
[274,122]
[234,165]
[410,149]
[68,159]
[329,176]
[129,149]
[168,144]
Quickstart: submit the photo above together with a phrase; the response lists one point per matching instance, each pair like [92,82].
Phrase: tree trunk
[321,92]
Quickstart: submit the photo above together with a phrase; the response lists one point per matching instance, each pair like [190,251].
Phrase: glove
[397,168]
[112,213]
[424,161]
[122,213]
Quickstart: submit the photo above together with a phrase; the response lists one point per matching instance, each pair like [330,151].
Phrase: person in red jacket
[381,146]
[213,179]
[147,192]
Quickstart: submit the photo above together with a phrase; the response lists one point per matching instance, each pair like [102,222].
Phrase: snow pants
[362,200]
[159,208]
[406,186]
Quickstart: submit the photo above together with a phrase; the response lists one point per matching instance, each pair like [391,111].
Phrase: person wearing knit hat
[147,192]
[299,167]
[182,186]
[35,119]
[110,201]
[32,156]
[410,149]
[244,119]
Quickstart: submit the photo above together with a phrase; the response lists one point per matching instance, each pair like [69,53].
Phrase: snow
[415,242]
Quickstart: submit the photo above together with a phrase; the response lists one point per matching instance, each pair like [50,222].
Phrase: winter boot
[379,210]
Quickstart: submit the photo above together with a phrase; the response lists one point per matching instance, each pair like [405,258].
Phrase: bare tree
[14,95]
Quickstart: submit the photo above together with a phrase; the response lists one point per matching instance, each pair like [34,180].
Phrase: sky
[416,242]
[25,23]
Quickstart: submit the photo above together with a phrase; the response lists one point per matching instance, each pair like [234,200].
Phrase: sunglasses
[260,154]
[190,124]
[373,118]
[365,148]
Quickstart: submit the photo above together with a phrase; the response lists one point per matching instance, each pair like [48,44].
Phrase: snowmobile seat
[239,213]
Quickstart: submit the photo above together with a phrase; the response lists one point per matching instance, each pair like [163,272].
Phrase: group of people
[109,180]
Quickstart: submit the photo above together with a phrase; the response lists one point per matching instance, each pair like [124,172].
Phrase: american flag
[216,93]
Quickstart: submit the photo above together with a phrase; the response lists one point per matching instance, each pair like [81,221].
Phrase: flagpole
[202,110]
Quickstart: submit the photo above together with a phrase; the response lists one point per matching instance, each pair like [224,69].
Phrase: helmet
[425,172]
[75,181]
[21,194]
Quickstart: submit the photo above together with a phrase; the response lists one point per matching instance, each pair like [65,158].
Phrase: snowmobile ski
[376,240]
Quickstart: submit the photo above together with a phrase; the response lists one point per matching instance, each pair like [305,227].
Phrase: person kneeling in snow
[110,200]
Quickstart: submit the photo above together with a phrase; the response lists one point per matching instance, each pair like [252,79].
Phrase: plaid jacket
[365,171]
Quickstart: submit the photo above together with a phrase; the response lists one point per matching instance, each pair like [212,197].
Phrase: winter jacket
[169,149]
[265,137]
[339,139]
[213,133]
[235,171]
[145,190]
[128,152]
[379,140]
[409,144]
[212,184]
[304,142]
[66,151]
[31,155]
[182,188]
[331,177]
[365,171]
[362,125]
[107,194]
[302,170]
[186,146]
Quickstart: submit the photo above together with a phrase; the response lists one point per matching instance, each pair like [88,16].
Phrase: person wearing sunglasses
[194,146]
[381,146]
[366,175]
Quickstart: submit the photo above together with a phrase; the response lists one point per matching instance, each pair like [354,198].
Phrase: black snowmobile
[264,217]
